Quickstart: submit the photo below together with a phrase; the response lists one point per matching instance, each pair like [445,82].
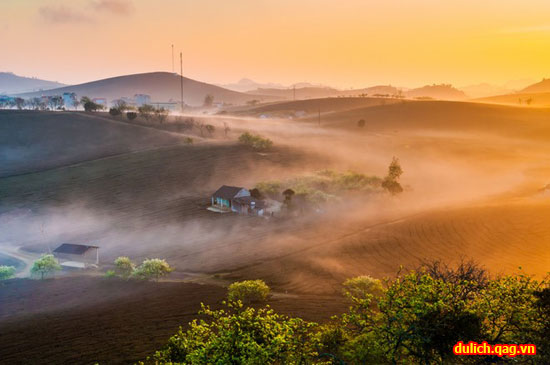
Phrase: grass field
[473,174]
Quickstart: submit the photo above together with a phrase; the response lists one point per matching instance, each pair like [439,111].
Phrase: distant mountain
[540,87]
[484,90]
[247,85]
[325,92]
[442,91]
[161,86]
[14,84]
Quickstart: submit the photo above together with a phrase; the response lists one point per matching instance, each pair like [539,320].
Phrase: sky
[343,43]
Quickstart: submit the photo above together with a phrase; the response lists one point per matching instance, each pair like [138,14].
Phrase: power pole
[172,58]
[181,79]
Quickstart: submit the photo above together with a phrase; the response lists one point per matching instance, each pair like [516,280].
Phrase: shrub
[131,115]
[47,264]
[124,266]
[188,140]
[239,335]
[255,141]
[361,123]
[114,112]
[6,272]
[146,111]
[152,269]
[110,274]
[248,291]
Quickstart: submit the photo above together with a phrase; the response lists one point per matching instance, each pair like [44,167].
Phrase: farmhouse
[70,255]
[236,199]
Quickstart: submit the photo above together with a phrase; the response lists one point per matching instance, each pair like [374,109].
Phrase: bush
[248,291]
[131,115]
[47,264]
[255,141]
[188,140]
[114,112]
[152,269]
[239,335]
[6,272]
[124,266]
[110,274]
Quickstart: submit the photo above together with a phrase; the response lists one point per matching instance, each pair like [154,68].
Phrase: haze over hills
[161,86]
[14,84]
[537,94]
[248,85]
[539,87]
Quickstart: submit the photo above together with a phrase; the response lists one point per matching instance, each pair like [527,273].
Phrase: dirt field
[473,179]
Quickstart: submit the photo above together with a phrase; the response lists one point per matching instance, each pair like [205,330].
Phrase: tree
[6,272]
[114,112]
[528,101]
[19,103]
[152,269]
[47,264]
[256,194]
[208,100]
[210,129]
[239,335]
[252,102]
[226,129]
[361,123]
[391,181]
[288,194]
[89,105]
[200,126]
[131,115]
[56,102]
[248,291]
[146,111]
[121,105]
[161,114]
[124,266]
[255,141]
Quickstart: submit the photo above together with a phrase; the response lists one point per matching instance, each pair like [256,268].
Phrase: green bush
[255,141]
[188,140]
[152,269]
[131,115]
[6,272]
[124,266]
[45,265]
[110,274]
[239,335]
[248,291]
[114,112]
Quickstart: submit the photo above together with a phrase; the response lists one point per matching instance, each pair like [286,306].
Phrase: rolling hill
[161,86]
[14,84]
[443,91]
[539,87]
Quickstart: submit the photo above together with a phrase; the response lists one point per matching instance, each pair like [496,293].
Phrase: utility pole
[172,58]
[181,79]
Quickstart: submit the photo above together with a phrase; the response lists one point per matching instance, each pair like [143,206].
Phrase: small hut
[72,255]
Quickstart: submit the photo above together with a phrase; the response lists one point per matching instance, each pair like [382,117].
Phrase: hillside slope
[13,84]
[161,86]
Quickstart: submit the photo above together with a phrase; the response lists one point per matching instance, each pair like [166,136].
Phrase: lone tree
[208,100]
[89,105]
[152,269]
[226,129]
[210,129]
[391,181]
[361,123]
[47,264]
[288,194]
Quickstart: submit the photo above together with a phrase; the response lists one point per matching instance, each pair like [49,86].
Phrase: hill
[14,84]
[161,86]
[314,92]
[442,91]
[525,99]
[485,90]
[540,87]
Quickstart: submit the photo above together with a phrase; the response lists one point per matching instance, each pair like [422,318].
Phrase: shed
[224,197]
[75,255]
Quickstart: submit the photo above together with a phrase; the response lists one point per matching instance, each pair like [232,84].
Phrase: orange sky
[345,43]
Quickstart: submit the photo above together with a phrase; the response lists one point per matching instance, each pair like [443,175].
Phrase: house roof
[227,192]
[73,249]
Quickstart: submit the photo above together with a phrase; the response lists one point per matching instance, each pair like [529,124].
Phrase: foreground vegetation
[415,319]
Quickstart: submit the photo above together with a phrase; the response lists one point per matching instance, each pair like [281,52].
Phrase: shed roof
[73,249]
[227,192]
